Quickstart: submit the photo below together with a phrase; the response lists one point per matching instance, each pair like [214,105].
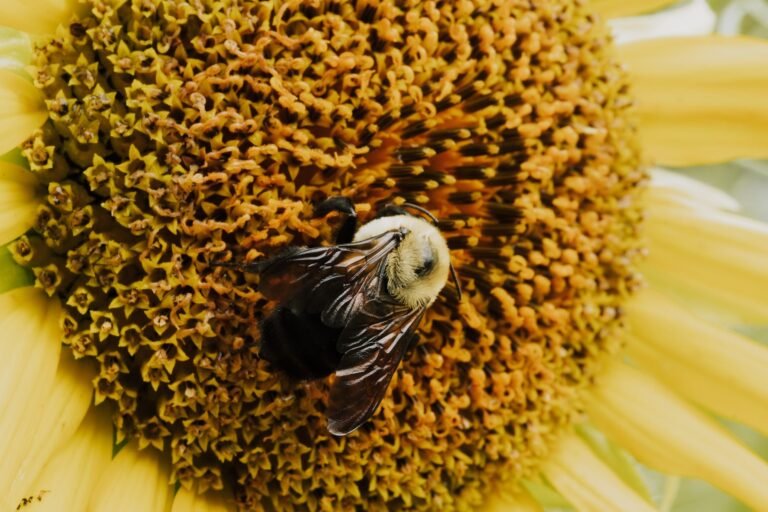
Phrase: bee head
[418,268]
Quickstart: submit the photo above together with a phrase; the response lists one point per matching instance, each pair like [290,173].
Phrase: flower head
[181,134]
[207,135]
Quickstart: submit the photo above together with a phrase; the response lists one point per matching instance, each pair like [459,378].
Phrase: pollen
[182,134]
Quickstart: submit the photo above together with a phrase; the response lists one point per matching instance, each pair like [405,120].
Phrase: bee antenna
[422,210]
[455,277]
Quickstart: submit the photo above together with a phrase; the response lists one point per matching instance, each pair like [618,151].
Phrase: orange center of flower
[181,134]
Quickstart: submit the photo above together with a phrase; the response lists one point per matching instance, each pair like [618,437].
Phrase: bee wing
[329,280]
[373,344]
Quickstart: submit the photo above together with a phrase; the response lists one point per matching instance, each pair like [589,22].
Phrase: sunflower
[146,140]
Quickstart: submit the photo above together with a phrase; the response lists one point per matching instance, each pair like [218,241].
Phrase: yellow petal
[21,109]
[211,501]
[68,479]
[545,495]
[65,407]
[716,256]
[15,49]
[698,16]
[669,187]
[134,480]
[27,373]
[724,306]
[716,225]
[616,458]
[617,8]
[36,16]
[666,433]
[510,502]
[717,368]
[700,99]
[18,201]
[582,478]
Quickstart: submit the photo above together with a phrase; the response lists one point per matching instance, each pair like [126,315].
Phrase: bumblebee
[353,308]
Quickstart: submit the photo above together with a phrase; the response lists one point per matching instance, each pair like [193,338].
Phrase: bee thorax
[417,269]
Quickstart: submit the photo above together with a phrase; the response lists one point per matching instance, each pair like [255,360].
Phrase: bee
[353,308]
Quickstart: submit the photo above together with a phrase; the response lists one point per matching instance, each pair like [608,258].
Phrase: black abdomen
[300,345]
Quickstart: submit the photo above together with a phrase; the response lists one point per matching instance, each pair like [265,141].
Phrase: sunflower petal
[715,367]
[520,501]
[710,226]
[68,479]
[134,480]
[666,433]
[27,373]
[671,187]
[723,307]
[21,109]
[66,405]
[18,203]
[15,49]
[211,501]
[714,255]
[700,99]
[580,476]
[620,462]
[36,16]
[617,8]
[698,17]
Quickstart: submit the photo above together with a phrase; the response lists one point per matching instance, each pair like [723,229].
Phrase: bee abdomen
[299,345]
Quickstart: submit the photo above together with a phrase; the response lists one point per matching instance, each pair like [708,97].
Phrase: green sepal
[12,275]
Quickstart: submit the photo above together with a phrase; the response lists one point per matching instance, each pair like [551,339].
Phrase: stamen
[473,172]
[479,149]
[462,242]
[413,154]
[480,103]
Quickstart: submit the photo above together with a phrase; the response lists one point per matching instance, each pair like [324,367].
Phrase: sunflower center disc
[183,133]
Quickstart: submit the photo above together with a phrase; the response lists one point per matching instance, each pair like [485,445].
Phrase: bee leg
[342,205]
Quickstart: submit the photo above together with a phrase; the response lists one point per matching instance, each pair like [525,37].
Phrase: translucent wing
[372,344]
[332,281]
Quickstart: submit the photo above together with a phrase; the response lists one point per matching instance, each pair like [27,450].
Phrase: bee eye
[426,266]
